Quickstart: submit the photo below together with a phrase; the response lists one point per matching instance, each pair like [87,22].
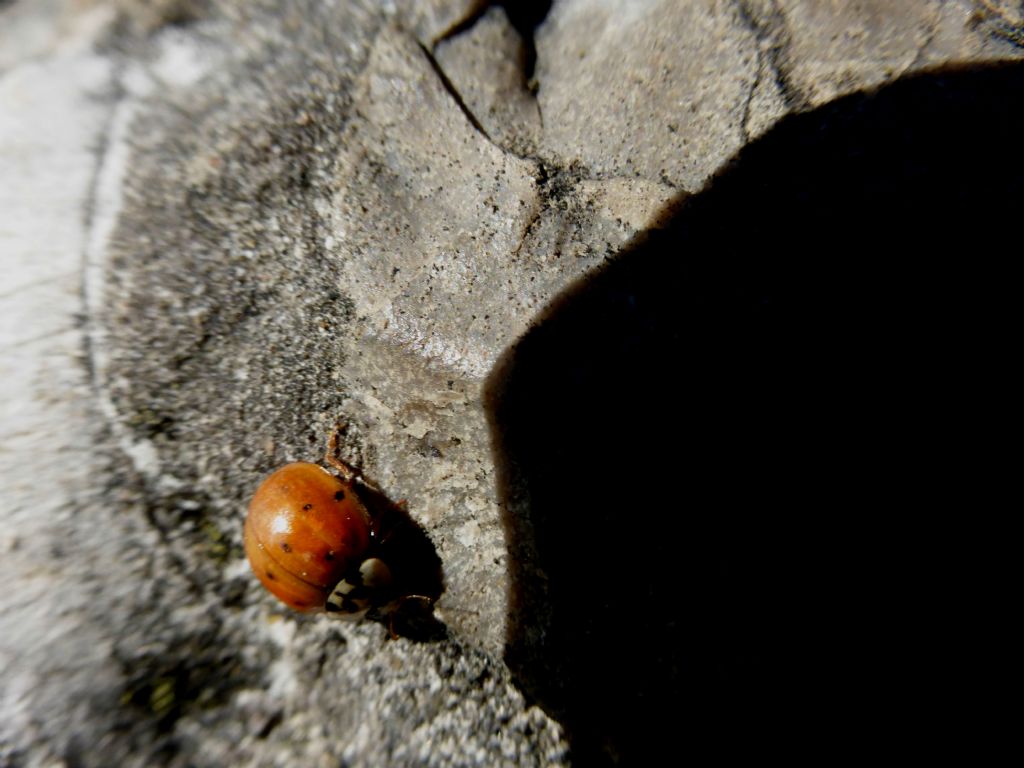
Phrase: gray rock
[487,67]
[645,90]
[233,225]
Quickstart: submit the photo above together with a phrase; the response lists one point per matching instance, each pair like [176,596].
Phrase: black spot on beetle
[286,546]
[271,576]
[339,496]
[306,507]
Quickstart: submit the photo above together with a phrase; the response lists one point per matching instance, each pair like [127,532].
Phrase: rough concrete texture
[487,66]
[655,90]
[226,227]
[821,50]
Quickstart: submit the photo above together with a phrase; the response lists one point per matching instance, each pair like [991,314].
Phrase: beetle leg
[347,472]
[394,610]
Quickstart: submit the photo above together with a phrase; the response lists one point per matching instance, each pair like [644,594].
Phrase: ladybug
[311,541]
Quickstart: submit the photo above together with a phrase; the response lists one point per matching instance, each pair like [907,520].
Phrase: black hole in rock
[726,454]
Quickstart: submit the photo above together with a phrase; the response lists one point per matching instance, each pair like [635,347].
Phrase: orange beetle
[309,540]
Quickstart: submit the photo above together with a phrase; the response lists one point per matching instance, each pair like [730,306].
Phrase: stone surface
[487,66]
[834,48]
[649,90]
[432,20]
[233,225]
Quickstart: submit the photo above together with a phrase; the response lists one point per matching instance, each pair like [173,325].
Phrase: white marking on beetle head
[375,572]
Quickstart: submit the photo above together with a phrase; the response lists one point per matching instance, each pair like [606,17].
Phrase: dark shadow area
[418,578]
[525,16]
[728,455]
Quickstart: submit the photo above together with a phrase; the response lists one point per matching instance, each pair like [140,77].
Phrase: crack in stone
[745,119]
[529,227]
[89,208]
[465,24]
[524,19]
[454,93]
[770,31]
[555,182]
[1001,25]
[919,56]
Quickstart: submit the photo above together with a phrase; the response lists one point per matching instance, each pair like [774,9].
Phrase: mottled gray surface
[226,226]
